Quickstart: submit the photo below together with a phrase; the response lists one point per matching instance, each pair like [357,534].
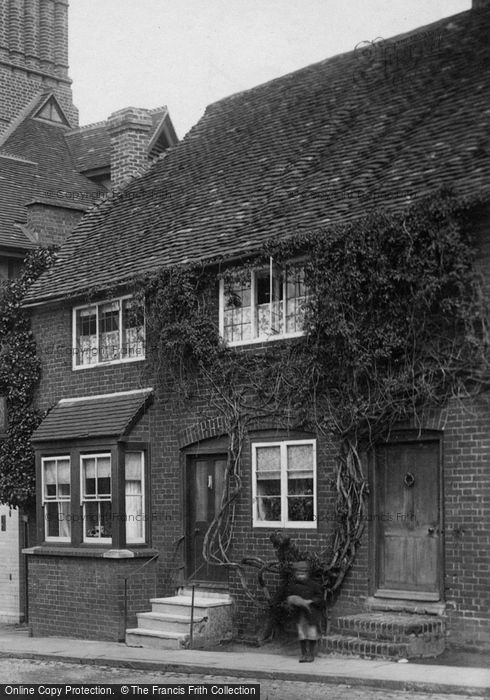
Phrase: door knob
[431,530]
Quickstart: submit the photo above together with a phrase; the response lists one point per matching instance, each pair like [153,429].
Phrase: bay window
[135,497]
[284,484]
[96,496]
[56,498]
[108,332]
[269,303]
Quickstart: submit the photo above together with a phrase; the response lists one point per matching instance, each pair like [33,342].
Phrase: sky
[187,54]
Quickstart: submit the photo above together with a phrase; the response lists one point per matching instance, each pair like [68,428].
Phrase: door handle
[431,530]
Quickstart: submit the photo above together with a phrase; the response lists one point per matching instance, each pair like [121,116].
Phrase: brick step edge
[354,646]
[389,631]
[385,636]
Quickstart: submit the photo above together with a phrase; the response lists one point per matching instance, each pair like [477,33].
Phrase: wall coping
[82,552]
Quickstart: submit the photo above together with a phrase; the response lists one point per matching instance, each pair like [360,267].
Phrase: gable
[51,111]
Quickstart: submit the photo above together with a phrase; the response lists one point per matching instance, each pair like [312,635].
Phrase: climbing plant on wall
[19,374]
[395,321]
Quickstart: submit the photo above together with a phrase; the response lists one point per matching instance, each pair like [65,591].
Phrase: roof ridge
[85,127]
[22,116]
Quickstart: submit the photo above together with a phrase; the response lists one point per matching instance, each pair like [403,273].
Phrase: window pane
[52,520]
[109,331]
[238,313]
[300,458]
[133,462]
[86,334]
[98,519]
[262,300]
[64,478]
[201,491]
[50,478]
[133,329]
[104,476]
[269,500]
[92,526]
[134,498]
[300,508]
[64,511]
[295,300]
[268,459]
[88,466]
[300,482]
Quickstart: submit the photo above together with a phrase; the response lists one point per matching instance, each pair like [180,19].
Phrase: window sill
[89,552]
[109,363]
[264,340]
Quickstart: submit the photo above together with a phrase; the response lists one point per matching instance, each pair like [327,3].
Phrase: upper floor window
[284,484]
[108,332]
[269,304]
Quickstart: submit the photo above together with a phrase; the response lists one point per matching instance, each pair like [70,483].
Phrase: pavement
[429,678]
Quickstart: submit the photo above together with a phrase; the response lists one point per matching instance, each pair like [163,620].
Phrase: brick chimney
[129,130]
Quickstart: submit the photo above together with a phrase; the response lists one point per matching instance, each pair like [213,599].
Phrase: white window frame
[253,309]
[51,458]
[98,362]
[83,500]
[139,540]
[284,522]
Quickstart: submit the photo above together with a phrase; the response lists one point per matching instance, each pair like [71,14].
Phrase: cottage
[51,171]
[131,473]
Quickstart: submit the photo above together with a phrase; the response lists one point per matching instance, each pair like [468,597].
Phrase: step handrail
[133,573]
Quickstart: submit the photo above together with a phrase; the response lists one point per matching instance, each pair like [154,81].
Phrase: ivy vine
[19,374]
[395,322]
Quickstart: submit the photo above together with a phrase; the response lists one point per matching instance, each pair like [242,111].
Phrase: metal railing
[126,578]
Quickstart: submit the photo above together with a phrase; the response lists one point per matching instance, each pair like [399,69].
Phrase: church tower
[33,56]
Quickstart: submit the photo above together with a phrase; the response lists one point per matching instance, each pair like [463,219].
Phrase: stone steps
[168,625]
[390,636]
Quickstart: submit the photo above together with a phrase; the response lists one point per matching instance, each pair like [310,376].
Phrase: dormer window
[269,304]
[108,332]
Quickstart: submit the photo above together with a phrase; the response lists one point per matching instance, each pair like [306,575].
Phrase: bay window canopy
[92,478]
[93,416]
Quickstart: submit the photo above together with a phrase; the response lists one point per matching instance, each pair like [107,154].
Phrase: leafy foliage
[395,322]
[19,374]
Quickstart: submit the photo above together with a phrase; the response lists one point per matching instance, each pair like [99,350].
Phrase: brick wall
[170,427]
[52,224]
[33,56]
[83,597]
[129,130]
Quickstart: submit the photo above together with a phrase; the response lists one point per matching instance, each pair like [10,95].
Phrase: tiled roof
[16,176]
[90,145]
[97,416]
[45,144]
[308,150]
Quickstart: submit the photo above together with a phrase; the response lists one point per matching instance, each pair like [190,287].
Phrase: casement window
[108,332]
[284,484]
[56,498]
[269,303]
[135,497]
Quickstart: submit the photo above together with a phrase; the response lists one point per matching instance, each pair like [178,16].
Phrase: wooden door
[205,480]
[407,521]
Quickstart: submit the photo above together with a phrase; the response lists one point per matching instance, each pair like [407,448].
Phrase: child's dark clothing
[309,590]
